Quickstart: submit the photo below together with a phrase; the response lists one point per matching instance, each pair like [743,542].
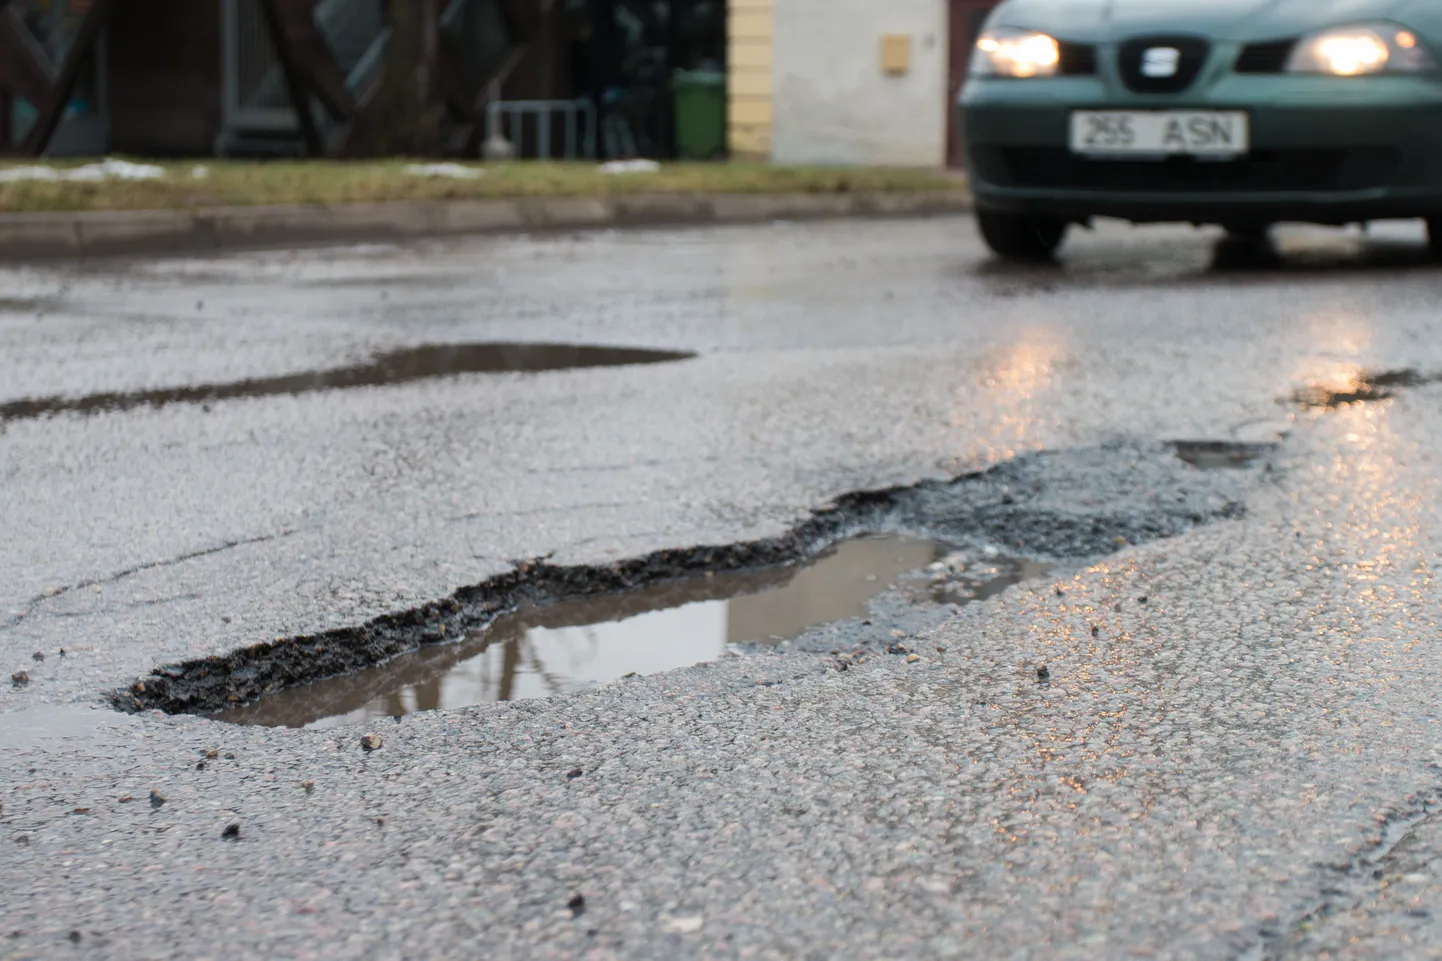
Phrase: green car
[1241,113]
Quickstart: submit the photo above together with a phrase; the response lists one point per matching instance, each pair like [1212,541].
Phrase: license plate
[1204,133]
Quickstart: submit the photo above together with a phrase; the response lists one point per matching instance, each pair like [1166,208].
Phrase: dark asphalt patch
[397,367]
[1070,504]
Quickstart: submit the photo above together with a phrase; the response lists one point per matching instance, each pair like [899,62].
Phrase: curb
[43,236]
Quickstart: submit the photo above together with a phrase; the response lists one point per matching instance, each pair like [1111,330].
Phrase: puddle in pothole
[584,643]
[396,367]
[1222,455]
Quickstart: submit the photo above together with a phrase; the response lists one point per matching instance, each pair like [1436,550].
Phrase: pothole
[1366,388]
[1008,523]
[397,367]
[580,644]
[1221,455]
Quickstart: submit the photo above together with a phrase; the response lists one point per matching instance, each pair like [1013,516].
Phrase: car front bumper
[1323,150]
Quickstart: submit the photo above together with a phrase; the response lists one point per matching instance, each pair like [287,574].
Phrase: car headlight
[1015,53]
[1360,50]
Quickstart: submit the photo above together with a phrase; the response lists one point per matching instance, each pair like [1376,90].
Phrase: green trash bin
[700,114]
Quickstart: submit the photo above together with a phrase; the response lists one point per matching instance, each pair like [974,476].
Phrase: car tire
[1434,238]
[1019,237]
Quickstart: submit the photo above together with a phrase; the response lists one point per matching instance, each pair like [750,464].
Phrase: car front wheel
[1018,237]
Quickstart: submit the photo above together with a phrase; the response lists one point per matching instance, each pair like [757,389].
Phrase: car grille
[1193,52]
[1351,168]
[1269,57]
[1077,60]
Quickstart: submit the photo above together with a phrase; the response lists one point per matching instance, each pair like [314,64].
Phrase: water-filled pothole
[1365,388]
[1222,455]
[583,643]
[396,367]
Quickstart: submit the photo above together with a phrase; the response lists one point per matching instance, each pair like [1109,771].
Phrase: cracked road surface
[1234,752]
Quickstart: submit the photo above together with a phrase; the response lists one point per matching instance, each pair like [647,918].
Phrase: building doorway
[655,72]
[966,20]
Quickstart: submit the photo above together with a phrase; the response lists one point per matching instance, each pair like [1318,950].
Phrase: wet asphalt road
[1243,765]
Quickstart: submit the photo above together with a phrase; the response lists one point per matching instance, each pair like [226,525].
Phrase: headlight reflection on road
[1380,556]
[1341,336]
[1016,389]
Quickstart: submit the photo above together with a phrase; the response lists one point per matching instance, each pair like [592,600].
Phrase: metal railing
[578,116]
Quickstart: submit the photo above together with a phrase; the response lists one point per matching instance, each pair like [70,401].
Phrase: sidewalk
[38,236]
[225,208]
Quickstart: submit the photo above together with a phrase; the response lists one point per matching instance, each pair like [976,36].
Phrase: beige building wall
[860,82]
[750,27]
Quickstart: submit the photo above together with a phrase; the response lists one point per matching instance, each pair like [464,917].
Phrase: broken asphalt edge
[86,234]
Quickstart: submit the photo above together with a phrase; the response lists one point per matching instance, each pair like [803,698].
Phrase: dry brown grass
[335,182]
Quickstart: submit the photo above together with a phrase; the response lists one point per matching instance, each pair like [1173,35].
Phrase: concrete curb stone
[42,236]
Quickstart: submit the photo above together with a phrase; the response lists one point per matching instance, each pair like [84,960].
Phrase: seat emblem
[1161,62]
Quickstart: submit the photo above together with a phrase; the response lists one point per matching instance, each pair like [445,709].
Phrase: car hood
[1100,20]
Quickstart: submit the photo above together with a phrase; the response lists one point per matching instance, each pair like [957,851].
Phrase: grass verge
[234,183]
